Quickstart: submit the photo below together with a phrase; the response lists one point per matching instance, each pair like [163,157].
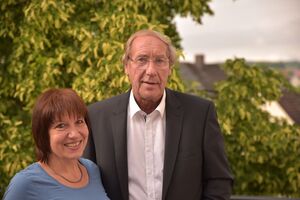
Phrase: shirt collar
[134,107]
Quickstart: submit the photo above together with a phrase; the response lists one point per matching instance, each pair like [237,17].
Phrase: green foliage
[78,44]
[263,150]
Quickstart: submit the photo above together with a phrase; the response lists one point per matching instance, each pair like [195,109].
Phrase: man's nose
[151,69]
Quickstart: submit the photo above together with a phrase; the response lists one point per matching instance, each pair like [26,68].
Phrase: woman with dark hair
[60,129]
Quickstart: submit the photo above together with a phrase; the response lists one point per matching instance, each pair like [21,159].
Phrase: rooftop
[209,74]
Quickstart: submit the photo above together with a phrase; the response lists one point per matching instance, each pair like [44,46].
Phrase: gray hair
[171,50]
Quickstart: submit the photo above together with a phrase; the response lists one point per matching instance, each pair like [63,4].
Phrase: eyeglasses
[143,61]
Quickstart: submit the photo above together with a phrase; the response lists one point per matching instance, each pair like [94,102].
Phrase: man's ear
[170,71]
[126,69]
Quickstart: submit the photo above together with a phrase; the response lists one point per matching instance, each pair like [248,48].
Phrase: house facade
[288,106]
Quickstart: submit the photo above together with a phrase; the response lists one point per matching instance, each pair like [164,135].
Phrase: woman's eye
[60,126]
[80,121]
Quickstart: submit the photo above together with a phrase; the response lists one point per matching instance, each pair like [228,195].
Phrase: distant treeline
[294,64]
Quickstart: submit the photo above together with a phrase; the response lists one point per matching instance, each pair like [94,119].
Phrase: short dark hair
[51,105]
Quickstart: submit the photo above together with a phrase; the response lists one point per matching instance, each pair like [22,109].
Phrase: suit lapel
[119,125]
[174,115]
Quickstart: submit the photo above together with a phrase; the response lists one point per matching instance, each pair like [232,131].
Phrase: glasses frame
[159,62]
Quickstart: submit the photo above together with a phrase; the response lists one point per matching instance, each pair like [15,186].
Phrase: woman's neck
[70,173]
[63,165]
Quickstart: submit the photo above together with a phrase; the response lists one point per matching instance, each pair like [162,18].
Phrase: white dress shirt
[145,151]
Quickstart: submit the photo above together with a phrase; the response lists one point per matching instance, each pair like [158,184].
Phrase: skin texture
[148,83]
[68,138]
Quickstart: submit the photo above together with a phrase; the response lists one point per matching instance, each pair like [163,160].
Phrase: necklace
[70,181]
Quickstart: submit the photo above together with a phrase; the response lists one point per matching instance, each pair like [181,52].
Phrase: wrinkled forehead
[148,46]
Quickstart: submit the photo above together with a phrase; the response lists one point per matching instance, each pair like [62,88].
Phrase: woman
[60,129]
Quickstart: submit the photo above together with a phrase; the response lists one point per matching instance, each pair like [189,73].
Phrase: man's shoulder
[189,98]
[109,103]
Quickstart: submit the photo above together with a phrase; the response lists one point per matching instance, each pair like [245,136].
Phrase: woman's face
[68,137]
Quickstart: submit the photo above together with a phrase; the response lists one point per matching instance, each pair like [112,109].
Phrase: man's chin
[151,96]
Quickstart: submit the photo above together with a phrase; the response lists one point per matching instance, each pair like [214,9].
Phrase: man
[154,143]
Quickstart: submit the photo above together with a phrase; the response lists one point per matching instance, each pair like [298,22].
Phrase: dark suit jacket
[195,165]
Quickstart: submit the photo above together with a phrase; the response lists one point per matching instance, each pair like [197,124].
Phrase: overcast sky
[267,30]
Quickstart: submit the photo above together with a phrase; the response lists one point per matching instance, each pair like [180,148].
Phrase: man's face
[148,68]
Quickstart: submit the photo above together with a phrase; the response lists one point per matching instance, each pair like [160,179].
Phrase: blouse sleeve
[17,188]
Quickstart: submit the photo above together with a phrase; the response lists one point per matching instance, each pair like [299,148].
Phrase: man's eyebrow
[142,55]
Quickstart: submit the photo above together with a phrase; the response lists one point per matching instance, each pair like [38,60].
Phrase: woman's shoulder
[22,182]
[90,165]
[27,174]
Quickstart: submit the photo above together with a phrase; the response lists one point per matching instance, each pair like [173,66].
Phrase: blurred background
[258,30]
[245,58]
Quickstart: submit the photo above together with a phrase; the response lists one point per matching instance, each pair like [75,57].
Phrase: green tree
[78,44]
[263,150]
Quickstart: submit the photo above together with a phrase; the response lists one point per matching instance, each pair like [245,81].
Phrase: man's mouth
[149,82]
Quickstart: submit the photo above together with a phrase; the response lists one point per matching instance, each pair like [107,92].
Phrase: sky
[257,30]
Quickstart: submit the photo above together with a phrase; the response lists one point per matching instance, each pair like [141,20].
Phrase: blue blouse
[33,183]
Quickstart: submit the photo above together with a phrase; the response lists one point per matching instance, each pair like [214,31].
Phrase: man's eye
[159,61]
[142,60]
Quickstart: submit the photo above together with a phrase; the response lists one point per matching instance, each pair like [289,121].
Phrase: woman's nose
[73,132]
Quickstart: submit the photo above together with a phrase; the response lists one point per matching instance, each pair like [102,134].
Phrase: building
[288,106]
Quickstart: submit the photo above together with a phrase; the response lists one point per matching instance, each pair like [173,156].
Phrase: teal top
[33,183]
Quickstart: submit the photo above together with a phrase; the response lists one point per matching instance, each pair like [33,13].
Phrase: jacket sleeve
[89,151]
[217,177]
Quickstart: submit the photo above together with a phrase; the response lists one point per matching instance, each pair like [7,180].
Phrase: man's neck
[147,106]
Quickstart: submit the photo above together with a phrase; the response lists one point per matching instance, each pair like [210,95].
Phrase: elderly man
[153,143]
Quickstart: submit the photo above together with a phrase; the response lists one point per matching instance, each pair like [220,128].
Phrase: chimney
[199,61]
